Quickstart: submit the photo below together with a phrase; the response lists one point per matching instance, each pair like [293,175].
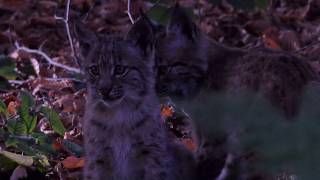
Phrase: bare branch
[19,82]
[46,57]
[65,19]
[128,12]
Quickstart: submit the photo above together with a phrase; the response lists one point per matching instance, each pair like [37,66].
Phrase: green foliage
[19,134]
[161,12]
[54,120]
[283,146]
[16,126]
[27,105]
[7,68]
[75,149]
[6,164]
[24,123]
[3,108]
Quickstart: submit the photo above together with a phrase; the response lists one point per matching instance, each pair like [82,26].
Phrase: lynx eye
[94,70]
[120,70]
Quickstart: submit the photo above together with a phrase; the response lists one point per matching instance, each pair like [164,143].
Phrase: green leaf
[43,160]
[4,85]
[7,164]
[31,145]
[7,68]
[3,107]
[74,148]
[27,104]
[21,146]
[44,143]
[27,99]
[54,120]
[2,132]
[32,124]
[160,14]
[20,159]
[16,126]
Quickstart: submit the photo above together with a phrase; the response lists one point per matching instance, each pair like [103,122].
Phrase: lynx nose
[113,93]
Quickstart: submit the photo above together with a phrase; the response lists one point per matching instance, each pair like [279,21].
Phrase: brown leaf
[73,162]
[57,144]
[270,38]
[12,108]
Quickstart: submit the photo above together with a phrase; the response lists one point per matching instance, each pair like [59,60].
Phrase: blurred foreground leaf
[3,108]
[20,159]
[283,146]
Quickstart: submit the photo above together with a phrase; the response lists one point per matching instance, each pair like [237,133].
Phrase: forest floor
[43,95]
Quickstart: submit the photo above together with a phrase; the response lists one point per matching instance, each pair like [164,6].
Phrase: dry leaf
[72,162]
[270,42]
[12,108]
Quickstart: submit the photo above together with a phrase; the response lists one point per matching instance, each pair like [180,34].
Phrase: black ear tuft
[86,37]
[181,23]
[142,34]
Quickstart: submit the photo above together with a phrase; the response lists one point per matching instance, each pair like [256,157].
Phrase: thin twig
[46,57]
[19,82]
[65,19]
[128,12]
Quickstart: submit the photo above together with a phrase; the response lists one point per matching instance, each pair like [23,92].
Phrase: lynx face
[180,57]
[117,70]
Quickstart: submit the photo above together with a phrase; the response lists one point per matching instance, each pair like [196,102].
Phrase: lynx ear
[181,23]
[142,34]
[87,38]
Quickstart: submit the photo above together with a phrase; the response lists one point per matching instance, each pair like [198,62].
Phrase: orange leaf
[166,111]
[12,108]
[72,162]
[57,145]
[270,42]
[189,144]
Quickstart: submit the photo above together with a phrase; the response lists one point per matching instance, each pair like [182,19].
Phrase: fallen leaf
[270,42]
[12,108]
[73,162]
